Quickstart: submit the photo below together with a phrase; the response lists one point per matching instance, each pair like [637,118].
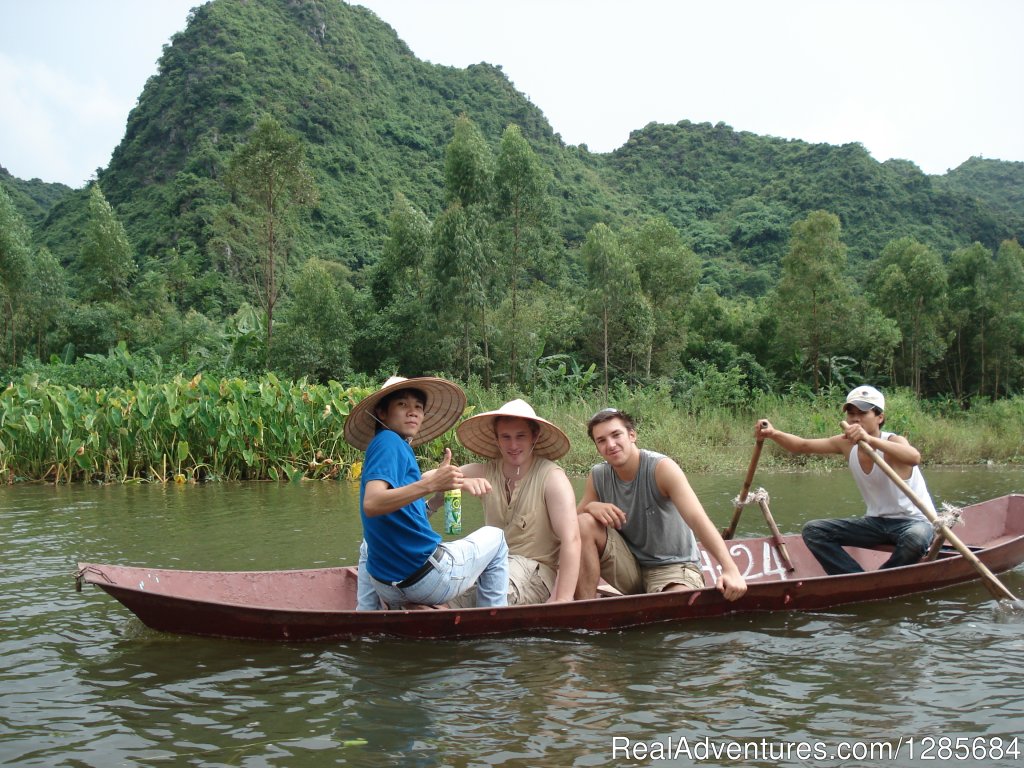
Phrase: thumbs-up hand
[446,477]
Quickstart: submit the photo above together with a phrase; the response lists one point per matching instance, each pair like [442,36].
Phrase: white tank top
[882,496]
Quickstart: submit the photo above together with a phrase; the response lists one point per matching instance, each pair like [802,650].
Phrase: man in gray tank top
[638,519]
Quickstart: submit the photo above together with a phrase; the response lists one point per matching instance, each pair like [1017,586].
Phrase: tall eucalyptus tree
[969,319]
[462,240]
[106,265]
[1007,299]
[398,329]
[669,272]
[521,213]
[15,258]
[909,285]
[623,315]
[812,300]
[461,278]
[270,184]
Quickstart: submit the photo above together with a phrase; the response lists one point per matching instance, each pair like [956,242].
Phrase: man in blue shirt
[406,562]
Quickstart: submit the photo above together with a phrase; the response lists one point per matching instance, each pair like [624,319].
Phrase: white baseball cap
[865,398]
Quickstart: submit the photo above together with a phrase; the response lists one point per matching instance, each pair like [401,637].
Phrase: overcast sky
[931,81]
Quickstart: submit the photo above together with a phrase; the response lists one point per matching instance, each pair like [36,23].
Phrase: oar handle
[731,530]
[995,586]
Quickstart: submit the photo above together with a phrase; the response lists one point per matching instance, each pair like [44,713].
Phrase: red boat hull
[318,604]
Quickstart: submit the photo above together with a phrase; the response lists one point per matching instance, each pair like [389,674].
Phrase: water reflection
[82,683]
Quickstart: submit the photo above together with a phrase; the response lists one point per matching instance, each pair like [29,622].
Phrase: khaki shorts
[620,569]
[529,581]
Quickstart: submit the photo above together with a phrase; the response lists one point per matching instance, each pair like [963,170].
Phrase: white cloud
[65,128]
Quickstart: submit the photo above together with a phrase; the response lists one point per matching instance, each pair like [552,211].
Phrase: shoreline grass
[191,430]
[722,439]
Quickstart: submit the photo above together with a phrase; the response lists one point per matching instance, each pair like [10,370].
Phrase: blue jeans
[826,539]
[480,558]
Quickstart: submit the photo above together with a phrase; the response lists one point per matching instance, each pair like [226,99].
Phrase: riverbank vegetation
[205,429]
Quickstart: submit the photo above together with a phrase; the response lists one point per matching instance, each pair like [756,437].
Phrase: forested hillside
[375,120]
[736,194]
[32,199]
[997,184]
[295,191]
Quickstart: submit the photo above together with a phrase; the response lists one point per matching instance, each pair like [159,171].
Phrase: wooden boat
[319,604]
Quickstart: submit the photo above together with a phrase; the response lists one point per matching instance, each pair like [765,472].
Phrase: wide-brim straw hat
[445,404]
[477,432]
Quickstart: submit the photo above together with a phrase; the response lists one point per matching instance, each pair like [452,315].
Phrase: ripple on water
[83,681]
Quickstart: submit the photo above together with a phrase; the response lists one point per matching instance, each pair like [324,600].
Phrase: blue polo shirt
[400,541]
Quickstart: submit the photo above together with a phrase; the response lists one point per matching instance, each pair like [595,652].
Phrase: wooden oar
[993,584]
[933,550]
[780,545]
[728,532]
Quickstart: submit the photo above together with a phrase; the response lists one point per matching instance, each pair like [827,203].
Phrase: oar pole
[731,530]
[777,539]
[993,584]
[933,550]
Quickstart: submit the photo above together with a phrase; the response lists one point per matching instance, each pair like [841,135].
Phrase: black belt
[419,573]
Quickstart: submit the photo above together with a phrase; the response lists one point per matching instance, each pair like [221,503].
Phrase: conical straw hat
[445,404]
[477,432]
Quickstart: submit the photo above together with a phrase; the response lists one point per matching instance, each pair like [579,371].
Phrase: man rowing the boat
[528,496]
[638,517]
[405,561]
[891,517]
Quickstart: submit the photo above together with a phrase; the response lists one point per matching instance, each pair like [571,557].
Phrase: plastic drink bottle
[453,511]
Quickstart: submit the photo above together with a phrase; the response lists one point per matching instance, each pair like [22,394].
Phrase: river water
[923,681]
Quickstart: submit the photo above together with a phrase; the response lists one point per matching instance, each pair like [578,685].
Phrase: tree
[46,299]
[399,273]
[106,266]
[316,323]
[15,257]
[811,301]
[104,273]
[521,211]
[468,166]
[398,331]
[622,312]
[462,237]
[909,285]
[1006,294]
[460,277]
[270,183]
[969,318]
[669,272]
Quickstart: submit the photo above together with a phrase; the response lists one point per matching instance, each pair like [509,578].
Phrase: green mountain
[32,199]
[702,172]
[997,184]
[376,121]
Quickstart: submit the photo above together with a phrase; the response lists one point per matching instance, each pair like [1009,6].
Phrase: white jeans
[367,598]
[480,558]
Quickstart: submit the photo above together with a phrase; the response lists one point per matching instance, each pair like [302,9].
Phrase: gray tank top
[654,530]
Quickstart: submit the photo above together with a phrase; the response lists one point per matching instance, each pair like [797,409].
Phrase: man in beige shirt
[526,495]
